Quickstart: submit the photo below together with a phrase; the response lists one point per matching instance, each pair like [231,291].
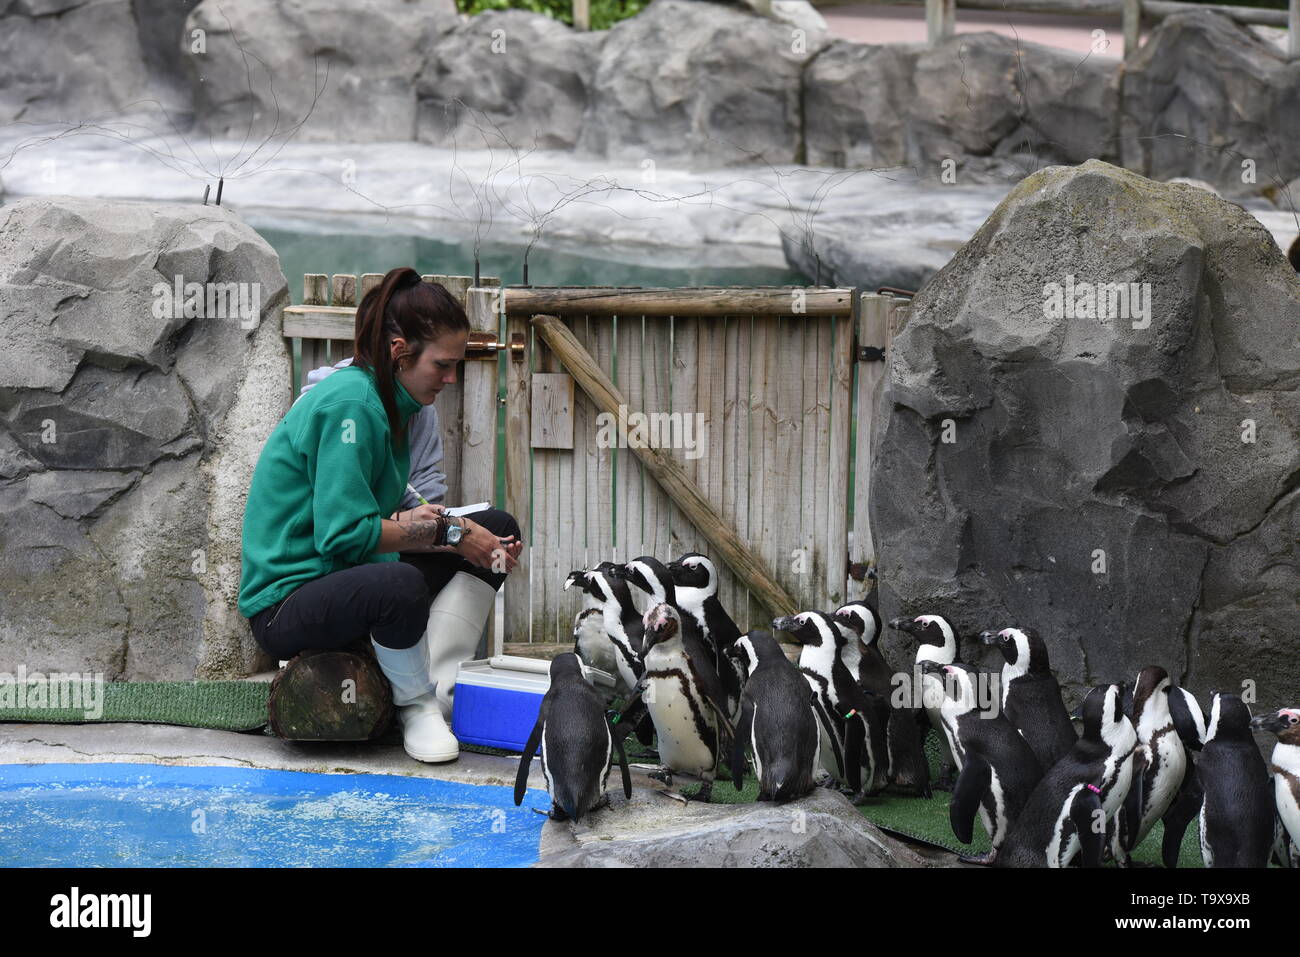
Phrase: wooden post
[1293,30]
[684,493]
[582,14]
[1132,17]
[519,487]
[940,20]
[837,510]
[873,319]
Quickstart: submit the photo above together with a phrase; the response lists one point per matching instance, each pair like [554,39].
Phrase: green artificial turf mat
[220,705]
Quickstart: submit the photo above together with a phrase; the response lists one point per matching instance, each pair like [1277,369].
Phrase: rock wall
[1126,480]
[128,434]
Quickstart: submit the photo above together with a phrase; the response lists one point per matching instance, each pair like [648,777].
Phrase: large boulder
[525,76]
[1203,96]
[129,432]
[68,60]
[973,99]
[1128,482]
[820,830]
[699,84]
[345,72]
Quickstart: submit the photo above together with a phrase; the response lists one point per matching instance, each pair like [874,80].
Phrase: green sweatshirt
[326,478]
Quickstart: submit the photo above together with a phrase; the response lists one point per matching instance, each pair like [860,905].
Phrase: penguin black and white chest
[578,745]
[1067,813]
[1160,761]
[862,656]
[860,624]
[777,723]
[1237,815]
[684,697]
[1031,695]
[651,583]
[998,768]
[695,583]
[1285,765]
[626,642]
[852,729]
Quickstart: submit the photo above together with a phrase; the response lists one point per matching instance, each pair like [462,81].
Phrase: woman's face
[435,367]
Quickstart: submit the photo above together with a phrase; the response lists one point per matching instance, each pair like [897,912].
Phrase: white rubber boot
[425,734]
[456,620]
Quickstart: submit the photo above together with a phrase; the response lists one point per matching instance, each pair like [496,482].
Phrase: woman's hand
[480,547]
[421,513]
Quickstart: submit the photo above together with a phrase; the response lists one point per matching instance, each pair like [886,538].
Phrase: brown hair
[401,306]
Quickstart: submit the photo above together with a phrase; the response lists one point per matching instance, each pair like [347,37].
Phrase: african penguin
[1067,813]
[777,723]
[1232,797]
[904,756]
[626,638]
[1285,765]
[854,729]
[682,692]
[937,642]
[578,745]
[1160,761]
[998,770]
[1031,696]
[907,764]
[695,583]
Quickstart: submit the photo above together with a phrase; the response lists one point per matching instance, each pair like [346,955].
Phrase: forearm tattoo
[422,536]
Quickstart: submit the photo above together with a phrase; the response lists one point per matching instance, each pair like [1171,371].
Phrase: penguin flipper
[1185,807]
[972,782]
[744,731]
[707,680]
[622,761]
[1130,818]
[526,759]
[1085,812]
[1189,719]
[854,738]
[825,720]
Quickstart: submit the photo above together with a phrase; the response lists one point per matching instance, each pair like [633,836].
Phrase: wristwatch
[455,532]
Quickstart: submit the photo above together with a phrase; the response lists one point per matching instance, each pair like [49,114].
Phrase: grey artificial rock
[372,51]
[820,830]
[69,60]
[507,74]
[698,84]
[1203,95]
[974,99]
[128,435]
[1097,485]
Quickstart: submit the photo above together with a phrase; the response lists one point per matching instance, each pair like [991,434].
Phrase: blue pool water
[143,815]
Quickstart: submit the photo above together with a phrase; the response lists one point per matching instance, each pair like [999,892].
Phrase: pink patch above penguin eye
[1004,633]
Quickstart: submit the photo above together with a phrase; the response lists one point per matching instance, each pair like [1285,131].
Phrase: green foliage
[604,13]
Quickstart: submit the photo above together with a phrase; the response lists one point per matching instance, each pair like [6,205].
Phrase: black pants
[387,600]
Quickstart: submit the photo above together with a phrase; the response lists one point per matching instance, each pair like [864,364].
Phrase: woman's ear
[397,348]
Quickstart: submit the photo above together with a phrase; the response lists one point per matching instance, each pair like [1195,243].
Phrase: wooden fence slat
[345,290]
[836,535]
[873,327]
[518,596]
[315,289]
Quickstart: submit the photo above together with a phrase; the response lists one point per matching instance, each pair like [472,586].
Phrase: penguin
[1285,765]
[1031,696]
[591,642]
[580,580]
[852,734]
[1160,761]
[695,584]
[906,763]
[937,642]
[578,745]
[777,723]
[626,637]
[651,583]
[684,697]
[1067,813]
[1232,796]
[998,769]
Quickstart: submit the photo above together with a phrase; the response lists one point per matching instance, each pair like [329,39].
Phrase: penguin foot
[663,775]
[984,859]
[704,795]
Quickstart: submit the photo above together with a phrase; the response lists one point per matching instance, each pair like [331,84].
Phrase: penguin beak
[1269,722]
[905,625]
[989,638]
[932,668]
[1077,714]
[786,624]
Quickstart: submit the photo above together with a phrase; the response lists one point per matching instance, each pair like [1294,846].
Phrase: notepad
[460,510]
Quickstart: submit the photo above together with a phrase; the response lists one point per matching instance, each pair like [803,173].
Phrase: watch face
[454,534]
